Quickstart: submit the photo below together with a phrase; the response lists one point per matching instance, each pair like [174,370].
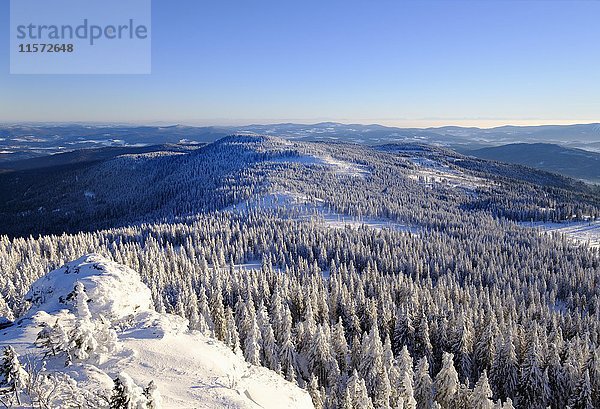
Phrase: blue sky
[407,63]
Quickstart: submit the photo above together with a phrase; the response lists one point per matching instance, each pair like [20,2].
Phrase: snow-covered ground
[346,168]
[338,166]
[288,200]
[582,232]
[431,171]
[193,371]
[340,221]
[114,308]
[280,199]
[315,210]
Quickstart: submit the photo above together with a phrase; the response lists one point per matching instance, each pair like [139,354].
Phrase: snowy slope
[307,208]
[338,166]
[581,232]
[435,172]
[190,369]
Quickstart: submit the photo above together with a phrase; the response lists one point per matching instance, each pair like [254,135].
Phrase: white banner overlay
[80,36]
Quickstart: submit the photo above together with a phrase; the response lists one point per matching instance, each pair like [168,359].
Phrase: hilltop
[93,320]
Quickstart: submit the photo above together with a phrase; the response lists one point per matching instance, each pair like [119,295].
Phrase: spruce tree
[119,398]
[252,342]
[423,390]
[358,392]
[504,373]
[152,395]
[582,398]
[12,375]
[533,379]
[446,382]
[482,394]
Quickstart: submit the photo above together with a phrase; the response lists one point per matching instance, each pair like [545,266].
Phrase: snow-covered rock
[190,369]
[115,291]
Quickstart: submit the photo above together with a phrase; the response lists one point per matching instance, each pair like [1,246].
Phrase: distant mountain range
[576,163]
[570,150]
[19,142]
[38,140]
[92,155]
[586,136]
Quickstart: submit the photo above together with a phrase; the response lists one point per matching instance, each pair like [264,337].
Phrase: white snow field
[581,232]
[191,370]
[338,166]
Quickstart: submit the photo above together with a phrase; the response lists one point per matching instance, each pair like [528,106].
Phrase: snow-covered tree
[373,370]
[582,399]
[315,393]
[82,337]
[446,382]
[218,315]
[127,395]
[205,322]
[288,357]
[401,379]
[423,390]
[120,398]
[54,339]
[504,373]
[482,394]
[253,339]
[357,391]
[339,346]
[321,360]
[13,378]
[232,338]
[533,379]
[152,395]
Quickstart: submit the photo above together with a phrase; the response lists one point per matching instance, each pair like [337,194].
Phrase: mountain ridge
[573,162]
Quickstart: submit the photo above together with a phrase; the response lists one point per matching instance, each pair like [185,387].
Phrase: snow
[431,171]
[314,209]
[194,371]
[346,168]
[581,232]
[253,265]
[190,369]
[285,199]
[115,291]
[338,166]
[340,221]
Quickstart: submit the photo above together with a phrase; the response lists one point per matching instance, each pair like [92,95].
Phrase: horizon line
[400,124]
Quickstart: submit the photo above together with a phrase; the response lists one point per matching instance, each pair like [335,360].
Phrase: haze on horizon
[405,64]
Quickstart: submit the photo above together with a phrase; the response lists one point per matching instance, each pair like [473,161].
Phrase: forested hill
[402,276]
[403,184]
